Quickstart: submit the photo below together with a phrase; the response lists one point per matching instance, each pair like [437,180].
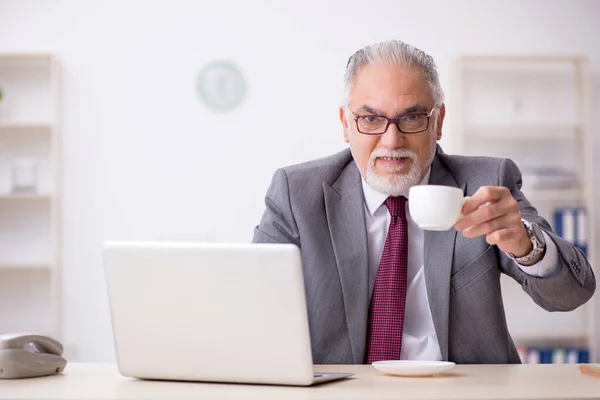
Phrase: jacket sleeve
[573,283]
[277,224]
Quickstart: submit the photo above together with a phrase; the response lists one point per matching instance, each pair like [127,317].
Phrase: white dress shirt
[419,340]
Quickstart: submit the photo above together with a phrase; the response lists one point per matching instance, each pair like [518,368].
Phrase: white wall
[144,159]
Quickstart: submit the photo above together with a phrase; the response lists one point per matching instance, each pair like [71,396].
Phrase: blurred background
[165,120]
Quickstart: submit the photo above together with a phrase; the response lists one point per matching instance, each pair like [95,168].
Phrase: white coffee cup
[435,208]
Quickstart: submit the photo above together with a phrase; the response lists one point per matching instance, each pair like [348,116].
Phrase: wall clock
[221,85]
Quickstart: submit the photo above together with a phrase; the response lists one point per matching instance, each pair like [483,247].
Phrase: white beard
[397,184]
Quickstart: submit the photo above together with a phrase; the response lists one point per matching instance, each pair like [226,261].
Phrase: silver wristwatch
[537,240]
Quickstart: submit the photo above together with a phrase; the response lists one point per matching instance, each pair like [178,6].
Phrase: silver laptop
[210,312]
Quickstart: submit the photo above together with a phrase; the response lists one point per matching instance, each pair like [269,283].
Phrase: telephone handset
[29,355]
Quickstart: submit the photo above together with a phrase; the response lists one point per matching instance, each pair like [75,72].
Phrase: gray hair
[398,53]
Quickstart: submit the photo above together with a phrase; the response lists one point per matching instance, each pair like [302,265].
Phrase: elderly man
[380,288]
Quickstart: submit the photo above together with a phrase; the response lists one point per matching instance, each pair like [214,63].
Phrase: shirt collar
[374,199]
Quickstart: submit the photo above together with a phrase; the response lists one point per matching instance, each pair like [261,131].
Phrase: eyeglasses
[406,123]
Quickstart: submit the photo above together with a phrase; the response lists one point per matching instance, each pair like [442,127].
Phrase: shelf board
[553,195]
[534,65]
[22,266]
[523,131]
[545,58]
[25,125]
[572,339]
[28,59]
[26,196]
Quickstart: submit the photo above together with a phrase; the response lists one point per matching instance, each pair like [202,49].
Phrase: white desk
[103,381]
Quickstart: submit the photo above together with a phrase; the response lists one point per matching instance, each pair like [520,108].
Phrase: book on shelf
[557,355]
[571,223]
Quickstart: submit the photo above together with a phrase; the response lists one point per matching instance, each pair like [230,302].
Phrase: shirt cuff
[548,265]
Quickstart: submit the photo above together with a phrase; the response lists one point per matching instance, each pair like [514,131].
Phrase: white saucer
[413,368]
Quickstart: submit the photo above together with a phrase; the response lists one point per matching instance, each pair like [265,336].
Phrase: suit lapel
[438,256]
[344,205]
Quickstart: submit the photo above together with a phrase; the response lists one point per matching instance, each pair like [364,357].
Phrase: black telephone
[29,355]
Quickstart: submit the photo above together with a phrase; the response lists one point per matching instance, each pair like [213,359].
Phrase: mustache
[398,153]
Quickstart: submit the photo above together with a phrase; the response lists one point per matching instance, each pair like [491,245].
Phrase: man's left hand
[493,212]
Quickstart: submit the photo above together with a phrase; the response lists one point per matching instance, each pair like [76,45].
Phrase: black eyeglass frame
[394,121]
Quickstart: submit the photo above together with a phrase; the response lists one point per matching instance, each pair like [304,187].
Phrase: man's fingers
[483,214]
[503,236]
[483,195]
[492,225]
[489,211]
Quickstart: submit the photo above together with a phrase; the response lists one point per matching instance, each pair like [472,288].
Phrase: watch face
[221,85]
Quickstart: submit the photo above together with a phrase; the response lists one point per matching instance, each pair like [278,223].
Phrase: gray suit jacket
[318,206]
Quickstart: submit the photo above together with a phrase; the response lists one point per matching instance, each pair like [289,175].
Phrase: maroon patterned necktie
[386,314]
